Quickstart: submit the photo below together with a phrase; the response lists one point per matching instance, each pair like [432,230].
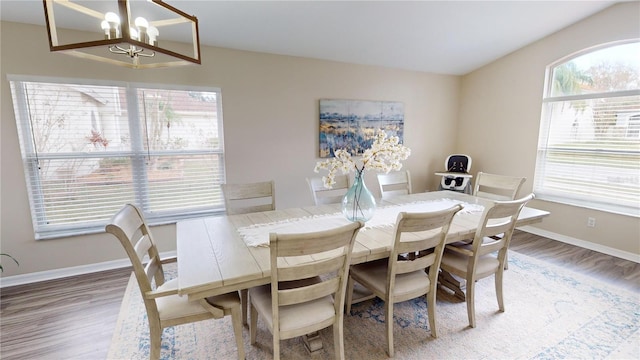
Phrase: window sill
[610,208]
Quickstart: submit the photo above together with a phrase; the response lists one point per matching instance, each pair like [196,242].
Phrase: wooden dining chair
[322,195]
[497,187]
[307,290]
[249,197]
[486,255]
[394,184]
[164,307]
[401,277]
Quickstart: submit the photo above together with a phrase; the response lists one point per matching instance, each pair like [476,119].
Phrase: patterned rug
[551,313]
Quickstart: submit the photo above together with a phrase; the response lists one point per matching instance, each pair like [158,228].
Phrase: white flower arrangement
[384,155]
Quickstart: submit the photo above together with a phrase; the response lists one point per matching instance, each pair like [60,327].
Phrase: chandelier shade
[137,34]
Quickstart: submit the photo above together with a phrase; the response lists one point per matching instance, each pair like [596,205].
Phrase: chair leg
[349,294]
[236,319]
[276,345]
[388,319]
[254,325]
[471,307]
[244,302]
[155,335]
[499,275]
[338,338]
[431,310]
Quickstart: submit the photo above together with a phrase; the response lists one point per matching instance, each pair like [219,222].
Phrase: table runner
[258,234]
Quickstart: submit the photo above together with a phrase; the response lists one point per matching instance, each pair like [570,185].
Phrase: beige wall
[500,113]
[270,106]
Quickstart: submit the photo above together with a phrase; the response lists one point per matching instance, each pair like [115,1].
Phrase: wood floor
[74,318]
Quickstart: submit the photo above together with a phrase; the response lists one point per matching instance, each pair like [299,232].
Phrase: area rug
[551,313]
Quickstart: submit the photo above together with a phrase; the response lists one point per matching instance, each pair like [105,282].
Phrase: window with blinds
[90,148]
[589,142]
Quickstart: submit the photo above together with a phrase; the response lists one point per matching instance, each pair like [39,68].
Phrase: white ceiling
[447,37]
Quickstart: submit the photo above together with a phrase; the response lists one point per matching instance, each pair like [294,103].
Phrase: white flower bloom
[384,155]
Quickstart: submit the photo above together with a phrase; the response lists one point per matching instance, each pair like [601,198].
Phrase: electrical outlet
[591,222]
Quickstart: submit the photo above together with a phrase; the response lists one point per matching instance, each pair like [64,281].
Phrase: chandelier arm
[116,49]
[146,55]
[131,52]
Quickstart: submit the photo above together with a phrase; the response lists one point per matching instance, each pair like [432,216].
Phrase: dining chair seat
[175,307]
[296,317]
[406,286]
[487,264]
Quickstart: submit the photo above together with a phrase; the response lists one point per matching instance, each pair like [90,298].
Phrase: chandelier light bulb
[133,33]
[152,33]
[105,27]
[113,25]
[111,17]
[142,24]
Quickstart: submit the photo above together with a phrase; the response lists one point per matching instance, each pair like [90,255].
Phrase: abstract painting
[352,124]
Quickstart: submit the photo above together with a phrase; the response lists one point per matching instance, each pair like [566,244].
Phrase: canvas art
[352,124]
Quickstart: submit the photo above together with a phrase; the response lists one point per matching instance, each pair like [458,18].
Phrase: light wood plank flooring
[74,318]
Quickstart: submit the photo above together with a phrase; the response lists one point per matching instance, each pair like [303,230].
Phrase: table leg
[453,283]
[312,342]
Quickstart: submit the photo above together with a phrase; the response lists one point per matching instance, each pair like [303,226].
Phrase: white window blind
[88,149]
[589,142]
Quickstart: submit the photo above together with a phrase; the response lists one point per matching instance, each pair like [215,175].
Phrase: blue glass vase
[358,203]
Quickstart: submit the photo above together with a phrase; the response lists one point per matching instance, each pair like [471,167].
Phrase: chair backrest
[129,226]
[422,233]
[322,195]
[497,187]
[249,197]
[456,163]
[499,219]
[290,254]
[394,184]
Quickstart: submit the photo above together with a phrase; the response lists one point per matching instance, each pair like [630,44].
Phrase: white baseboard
[582,243]
[70,271]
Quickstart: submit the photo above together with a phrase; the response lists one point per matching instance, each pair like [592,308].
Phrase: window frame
[137,155]
[543,147]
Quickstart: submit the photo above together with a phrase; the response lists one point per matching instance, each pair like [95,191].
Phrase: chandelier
[137,34]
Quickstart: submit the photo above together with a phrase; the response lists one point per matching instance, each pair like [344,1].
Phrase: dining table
[225,253]
[214,257]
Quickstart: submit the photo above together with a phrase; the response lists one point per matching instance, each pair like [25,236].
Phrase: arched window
[589,147]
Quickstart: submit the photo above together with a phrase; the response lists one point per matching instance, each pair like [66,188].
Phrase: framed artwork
[352,124]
